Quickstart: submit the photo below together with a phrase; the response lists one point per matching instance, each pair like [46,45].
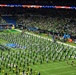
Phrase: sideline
[46,38]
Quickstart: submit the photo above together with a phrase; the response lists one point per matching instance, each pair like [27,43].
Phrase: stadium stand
[9,19]
[52,24]
[20,50]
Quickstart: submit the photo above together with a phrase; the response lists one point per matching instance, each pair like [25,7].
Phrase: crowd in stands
[52,20]
[53,24]
[2,21]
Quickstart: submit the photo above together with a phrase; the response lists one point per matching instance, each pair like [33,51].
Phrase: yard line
[46,38]
[64,72]
[50,39]
[53,68]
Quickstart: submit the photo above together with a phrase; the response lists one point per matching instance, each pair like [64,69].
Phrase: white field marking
[18,30]
[46,38]
[50,40]
[52,68]
[64,72]
[56,68]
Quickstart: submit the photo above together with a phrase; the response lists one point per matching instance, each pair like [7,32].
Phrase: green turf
[50,37]
[73,44]
[55,68]
[51,68]
[10,31]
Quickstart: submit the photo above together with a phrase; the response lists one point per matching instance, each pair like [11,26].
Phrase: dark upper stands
[9,19]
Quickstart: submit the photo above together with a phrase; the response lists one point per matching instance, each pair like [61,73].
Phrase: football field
[56,68]
[30,52]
